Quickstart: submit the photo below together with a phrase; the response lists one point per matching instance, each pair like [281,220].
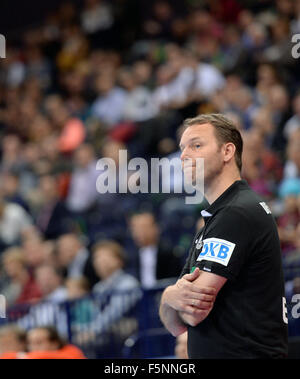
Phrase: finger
[204,290]
[193,275]
[200,304]
[191,289]
[199,297]
[193,311]
[204,297]
[199,290]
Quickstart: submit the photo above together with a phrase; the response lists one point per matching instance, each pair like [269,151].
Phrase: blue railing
[114,325]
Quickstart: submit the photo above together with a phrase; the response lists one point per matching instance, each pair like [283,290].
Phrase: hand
[184,296]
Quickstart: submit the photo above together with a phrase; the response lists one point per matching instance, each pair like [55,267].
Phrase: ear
[228,151]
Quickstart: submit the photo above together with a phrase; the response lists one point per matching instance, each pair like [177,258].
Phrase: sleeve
[227,244]
[186,268]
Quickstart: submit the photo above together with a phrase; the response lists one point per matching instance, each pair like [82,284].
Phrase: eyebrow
[181,146]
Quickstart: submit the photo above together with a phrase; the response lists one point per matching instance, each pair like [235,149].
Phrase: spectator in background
[13,69]
[158,25]
[174,79]
[50,281]
[77,287]
[11,153]
[53,218]
[45,343]
[12,340]
[13,221]
[138,104]
[97,20]
[10,185]
[21,287]
[292,163]
[74,258]
[279,51]
[244,104]
[74,46]
[271,165]
[117,292]
[142,71]
[109,261]
[50,310]
[110,103]
[267,77]
[36,251]
[83,310]
[82,193]
[38,67]
[280,110]
[293,123]
[253,166]
[209,80]
[289,220]
[154,261]
[70,129]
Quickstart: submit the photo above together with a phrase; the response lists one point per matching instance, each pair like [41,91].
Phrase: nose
[183,155]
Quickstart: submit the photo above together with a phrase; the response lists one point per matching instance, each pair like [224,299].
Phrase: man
[21,287]
[155,261]
[117,291]
[12,339]
[49,280]
[82,193]
[74,258]
[50,310]
[44,343]
[237,253]
[14,220]
[53,218]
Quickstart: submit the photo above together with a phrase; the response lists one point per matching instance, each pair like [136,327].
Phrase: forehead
[37,333]
[194,131]
[104,251]
[142,218]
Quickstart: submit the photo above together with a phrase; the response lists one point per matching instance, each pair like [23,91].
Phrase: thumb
[193,275]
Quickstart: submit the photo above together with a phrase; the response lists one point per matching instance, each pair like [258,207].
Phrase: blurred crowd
[46,343]
[98,77]
[38,343]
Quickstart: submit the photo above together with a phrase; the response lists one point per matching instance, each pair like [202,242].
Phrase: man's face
[83,157]
[199,141]
[47,280]
[106,262]
[144,229]
[38,340]
[67,248]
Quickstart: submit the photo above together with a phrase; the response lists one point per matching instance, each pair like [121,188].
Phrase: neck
[219,185]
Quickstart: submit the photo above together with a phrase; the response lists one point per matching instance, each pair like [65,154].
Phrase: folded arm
[186,301]
[204,280]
